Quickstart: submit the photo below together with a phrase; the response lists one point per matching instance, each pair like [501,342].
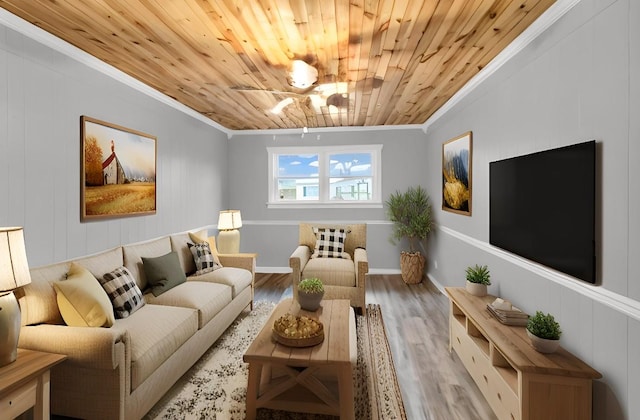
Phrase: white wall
[578,81]
[43,93]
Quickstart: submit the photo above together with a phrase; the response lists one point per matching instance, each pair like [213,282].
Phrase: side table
[25,383]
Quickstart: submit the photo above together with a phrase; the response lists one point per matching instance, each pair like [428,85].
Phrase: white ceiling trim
[40,35]
[548,18]
[555,12]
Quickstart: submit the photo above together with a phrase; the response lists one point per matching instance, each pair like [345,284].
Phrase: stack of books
[513,316]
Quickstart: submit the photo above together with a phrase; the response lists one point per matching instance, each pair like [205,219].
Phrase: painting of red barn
[118,171]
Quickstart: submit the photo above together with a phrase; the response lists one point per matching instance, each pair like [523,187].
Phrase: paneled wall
[43,93]
[578,81]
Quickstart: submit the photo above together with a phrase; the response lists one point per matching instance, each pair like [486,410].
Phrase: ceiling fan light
[302,75]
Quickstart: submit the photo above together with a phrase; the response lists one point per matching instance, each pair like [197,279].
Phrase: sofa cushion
[202,258]
[102,263]
[238,278]
[163,272]
[332,271]
[133,257]
[329,242]
[155,333]
[82,301]
[207,298]
[124,293]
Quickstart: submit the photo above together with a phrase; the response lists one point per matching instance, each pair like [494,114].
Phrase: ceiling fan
[303,79]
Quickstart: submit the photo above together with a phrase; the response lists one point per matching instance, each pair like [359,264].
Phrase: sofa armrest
[297,261]
[241,260]
[89,347]
[362,265]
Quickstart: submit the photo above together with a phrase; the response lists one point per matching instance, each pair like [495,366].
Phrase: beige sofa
[122,371]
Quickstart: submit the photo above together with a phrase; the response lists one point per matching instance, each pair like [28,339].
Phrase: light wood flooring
[434,383]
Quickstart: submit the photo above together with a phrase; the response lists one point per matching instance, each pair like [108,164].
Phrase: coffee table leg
[253,388]
[345,388]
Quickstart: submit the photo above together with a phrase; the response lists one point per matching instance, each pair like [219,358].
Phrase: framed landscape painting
[117,171]
[456,174]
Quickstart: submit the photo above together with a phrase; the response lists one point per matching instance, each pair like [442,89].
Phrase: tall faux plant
[410,213]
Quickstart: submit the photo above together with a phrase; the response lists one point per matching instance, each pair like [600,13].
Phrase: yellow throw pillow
[82,301]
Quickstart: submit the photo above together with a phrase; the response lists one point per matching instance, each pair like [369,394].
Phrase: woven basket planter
[412,267]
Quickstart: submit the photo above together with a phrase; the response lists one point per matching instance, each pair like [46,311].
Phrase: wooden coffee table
[314,379]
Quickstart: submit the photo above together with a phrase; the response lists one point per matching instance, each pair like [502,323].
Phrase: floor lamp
[14,273]
[229,222]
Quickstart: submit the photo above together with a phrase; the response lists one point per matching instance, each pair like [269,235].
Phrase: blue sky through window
[341,164]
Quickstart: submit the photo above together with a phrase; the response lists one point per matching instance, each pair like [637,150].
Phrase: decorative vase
[309,301]
[543,345]
[412,267]
[476,289]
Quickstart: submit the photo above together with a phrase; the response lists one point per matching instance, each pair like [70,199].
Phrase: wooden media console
[518,382]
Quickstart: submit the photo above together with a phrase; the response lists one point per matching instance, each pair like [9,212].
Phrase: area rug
[215,387]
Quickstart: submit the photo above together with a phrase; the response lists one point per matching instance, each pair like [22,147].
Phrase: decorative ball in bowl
[298,330]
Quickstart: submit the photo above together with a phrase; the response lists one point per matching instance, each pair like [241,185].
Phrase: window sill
[319,205]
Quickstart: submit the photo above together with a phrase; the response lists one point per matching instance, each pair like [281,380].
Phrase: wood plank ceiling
[379,62]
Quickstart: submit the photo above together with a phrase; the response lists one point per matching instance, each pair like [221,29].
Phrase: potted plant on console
[544,332]
[410,213]
[478,278]
[310,293]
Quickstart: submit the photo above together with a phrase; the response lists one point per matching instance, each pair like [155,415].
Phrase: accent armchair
[343,271]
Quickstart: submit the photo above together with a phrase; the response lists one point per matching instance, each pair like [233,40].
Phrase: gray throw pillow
[163,273]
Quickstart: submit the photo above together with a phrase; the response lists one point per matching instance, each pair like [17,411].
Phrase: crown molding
[555,12]
[29,30]
[548,18]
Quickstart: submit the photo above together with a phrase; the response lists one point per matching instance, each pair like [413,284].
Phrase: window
[324,176]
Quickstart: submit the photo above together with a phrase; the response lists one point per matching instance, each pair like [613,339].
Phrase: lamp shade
[14,269]
[229,220]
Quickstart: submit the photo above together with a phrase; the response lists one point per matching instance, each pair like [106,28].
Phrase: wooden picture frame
[456,174]
[117,171]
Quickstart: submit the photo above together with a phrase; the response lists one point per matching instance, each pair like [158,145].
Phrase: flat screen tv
[542,207]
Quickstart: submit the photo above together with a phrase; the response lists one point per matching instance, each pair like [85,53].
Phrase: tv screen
[542,207]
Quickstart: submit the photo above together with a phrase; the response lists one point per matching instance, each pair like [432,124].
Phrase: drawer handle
[512,416]
[485,378]
[499,396]
[458,338]
[473,359]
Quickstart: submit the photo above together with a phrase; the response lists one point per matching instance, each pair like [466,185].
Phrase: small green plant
[311,285]
[544,326]
[478,274]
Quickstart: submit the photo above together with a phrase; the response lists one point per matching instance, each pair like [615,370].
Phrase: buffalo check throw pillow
[329,243]
[203,258]
[125,295]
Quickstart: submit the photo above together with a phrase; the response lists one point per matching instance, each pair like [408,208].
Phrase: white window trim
[376,163]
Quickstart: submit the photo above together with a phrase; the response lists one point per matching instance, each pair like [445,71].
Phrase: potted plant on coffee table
[478,278]
[410,213]
[310,293]
[544,332]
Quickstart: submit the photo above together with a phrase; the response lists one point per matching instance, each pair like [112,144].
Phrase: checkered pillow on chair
[203,258]
[124,293]
[329,243]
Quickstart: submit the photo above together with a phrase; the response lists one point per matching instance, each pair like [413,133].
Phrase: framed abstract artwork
[456,174]
[117,171]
